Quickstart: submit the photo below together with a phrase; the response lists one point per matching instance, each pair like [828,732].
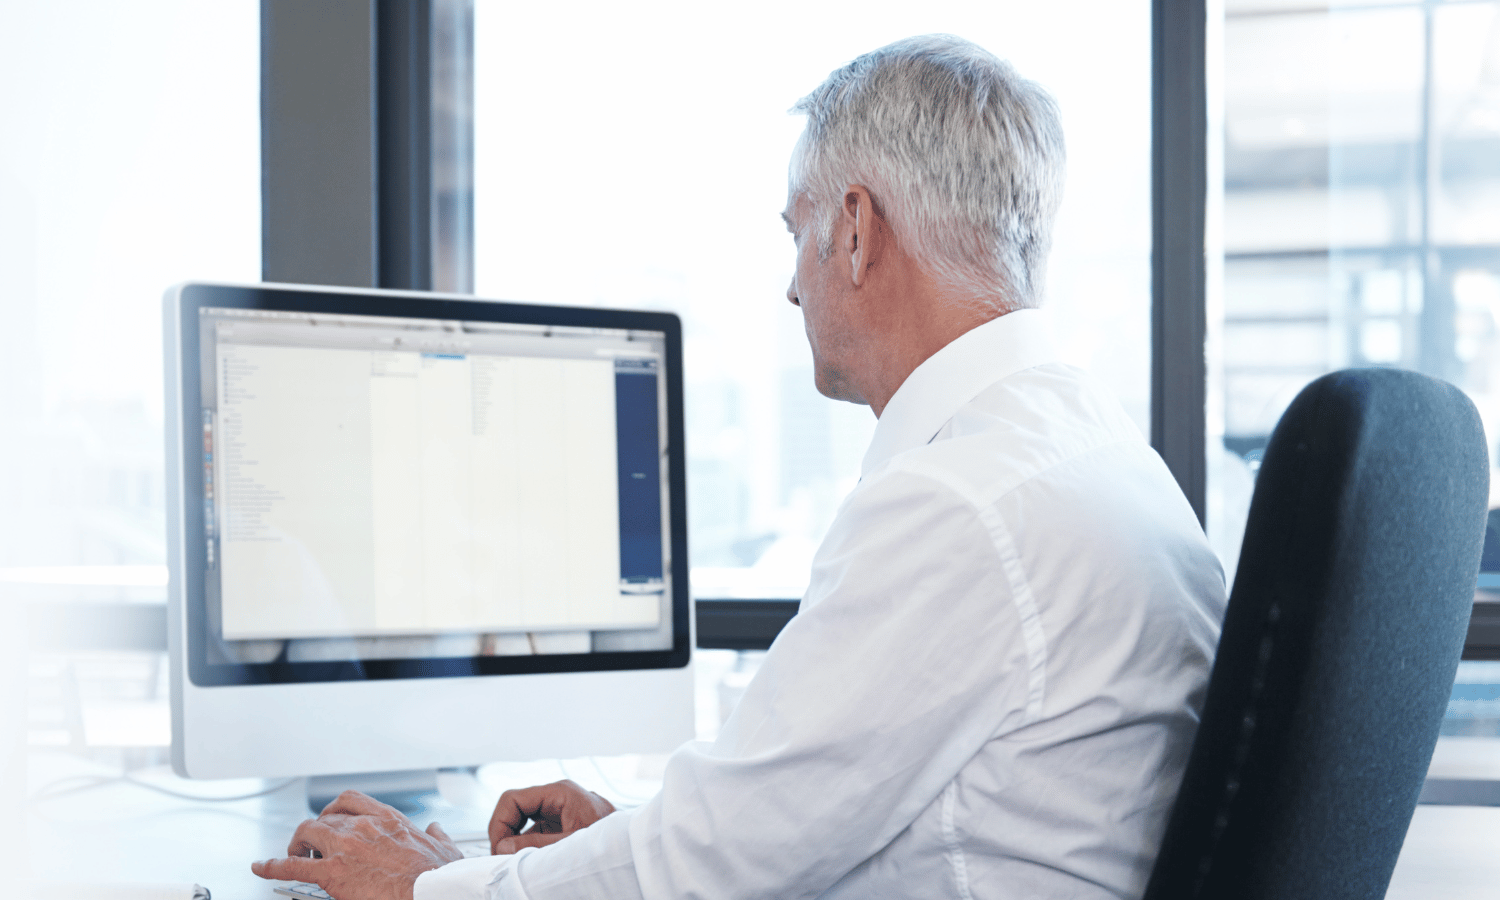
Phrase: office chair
[1340,645]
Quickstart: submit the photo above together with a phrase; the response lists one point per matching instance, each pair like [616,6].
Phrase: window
[1361,216]
[646,167]
[131,162]
[134,164]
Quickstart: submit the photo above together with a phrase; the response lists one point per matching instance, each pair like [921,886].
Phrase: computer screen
[379,487]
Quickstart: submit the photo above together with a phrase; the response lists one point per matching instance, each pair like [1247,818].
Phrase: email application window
[370,478]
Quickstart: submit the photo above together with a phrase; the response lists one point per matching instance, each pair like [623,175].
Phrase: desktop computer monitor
[410,531]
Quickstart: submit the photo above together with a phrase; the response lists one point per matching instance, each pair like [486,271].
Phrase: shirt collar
[953,376]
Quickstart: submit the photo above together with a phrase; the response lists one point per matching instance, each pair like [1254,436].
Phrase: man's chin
[835,388]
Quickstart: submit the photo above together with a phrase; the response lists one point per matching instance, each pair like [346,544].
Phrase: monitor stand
[452,797]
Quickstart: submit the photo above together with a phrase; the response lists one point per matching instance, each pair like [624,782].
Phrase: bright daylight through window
[134,164]
[649,171]
[1360,227]
[1360,186]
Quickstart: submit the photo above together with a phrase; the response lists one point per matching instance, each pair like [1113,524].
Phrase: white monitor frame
[240,724]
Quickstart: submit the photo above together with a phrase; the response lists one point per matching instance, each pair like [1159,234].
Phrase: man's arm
[908,656]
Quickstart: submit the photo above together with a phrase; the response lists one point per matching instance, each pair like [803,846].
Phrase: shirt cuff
[463,879]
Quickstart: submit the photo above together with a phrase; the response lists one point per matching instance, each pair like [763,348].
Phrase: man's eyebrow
[785,217]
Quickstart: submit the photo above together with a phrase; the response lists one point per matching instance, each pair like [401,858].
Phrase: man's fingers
[529,839]
[557,808]
[514,808]
[296,868]
[311,835]
[437,831]
[353,803]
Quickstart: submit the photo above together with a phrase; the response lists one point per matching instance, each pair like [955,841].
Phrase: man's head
[962,157]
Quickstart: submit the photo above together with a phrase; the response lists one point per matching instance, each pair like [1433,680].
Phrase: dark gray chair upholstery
[1339,648]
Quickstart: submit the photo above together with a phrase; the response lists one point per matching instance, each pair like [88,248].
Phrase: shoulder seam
[1020,589]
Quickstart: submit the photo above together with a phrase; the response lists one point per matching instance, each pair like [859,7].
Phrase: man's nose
[791,293]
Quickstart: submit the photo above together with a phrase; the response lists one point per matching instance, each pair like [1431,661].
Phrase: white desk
[119,833]
[122,834]
[1451,853]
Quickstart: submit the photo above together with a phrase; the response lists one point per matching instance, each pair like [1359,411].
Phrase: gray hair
[962,156]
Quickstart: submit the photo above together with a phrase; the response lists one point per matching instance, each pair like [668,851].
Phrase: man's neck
[922,330]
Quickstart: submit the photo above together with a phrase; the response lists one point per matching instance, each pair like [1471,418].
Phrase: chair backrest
[1340,644]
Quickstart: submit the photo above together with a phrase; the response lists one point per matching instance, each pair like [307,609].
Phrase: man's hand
[555,811]
[369,851]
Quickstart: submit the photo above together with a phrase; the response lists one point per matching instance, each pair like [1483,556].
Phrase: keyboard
[303,891]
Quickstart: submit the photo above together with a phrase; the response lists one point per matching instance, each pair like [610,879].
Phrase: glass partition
[1361,216]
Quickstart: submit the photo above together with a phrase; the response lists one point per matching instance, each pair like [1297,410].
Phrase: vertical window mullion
[1178,194]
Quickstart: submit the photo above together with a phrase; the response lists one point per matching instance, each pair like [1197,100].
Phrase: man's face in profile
[827,307]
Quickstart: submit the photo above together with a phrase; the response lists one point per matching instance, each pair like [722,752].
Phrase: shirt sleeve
[593,863]
[464,879]
[909,653]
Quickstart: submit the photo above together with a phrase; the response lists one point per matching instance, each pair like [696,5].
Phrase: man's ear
[864,238]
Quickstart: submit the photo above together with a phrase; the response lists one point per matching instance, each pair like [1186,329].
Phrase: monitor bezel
[189,477]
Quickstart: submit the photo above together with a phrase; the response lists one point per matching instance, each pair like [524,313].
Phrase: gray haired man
[994,678]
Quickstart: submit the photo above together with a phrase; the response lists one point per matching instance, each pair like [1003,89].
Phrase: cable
[53,791]
[286,783]
[629,798]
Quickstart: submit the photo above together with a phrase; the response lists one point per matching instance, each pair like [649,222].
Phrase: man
[993,681]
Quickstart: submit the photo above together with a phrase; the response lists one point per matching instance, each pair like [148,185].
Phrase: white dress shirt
[989,691]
